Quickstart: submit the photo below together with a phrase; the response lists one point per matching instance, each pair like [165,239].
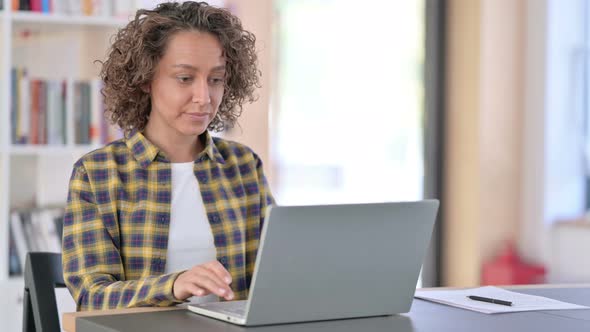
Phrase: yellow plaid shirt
[118,213]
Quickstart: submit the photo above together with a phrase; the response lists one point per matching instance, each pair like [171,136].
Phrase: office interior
[482,104]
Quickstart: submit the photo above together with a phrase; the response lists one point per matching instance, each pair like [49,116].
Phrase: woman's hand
[201,280]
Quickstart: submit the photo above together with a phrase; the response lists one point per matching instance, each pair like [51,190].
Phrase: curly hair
[138,47]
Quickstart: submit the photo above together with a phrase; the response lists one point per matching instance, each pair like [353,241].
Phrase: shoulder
[232,151]
[109,156]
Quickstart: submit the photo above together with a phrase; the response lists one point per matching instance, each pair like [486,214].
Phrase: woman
[169,214]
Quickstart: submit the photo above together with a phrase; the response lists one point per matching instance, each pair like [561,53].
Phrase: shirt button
[223,260]
[216,218]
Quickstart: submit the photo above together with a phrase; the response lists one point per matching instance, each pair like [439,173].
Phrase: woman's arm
[266,197]
[92,265]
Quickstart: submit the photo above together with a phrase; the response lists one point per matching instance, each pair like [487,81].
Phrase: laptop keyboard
[233,308]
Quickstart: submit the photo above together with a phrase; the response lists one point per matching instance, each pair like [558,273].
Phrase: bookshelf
[59,21]
[48,47]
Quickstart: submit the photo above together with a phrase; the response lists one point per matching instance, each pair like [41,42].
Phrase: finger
[220,271]
[196,290]
[206,280]
[204,271]
[222,289]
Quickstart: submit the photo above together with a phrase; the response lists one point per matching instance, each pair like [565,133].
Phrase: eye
[184,79]
[217,80]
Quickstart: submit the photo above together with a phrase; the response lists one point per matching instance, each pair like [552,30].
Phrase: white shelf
[60,19]
[50,46]
[46,150]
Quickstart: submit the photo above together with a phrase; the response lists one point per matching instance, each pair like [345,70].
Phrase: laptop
[333,261]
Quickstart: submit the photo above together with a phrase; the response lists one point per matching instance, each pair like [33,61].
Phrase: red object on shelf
[508,269]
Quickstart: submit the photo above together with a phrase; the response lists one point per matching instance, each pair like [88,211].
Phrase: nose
[201,92]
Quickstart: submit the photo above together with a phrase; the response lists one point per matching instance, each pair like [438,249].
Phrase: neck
[178,148]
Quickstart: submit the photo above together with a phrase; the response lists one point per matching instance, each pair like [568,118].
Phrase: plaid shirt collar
[145,152]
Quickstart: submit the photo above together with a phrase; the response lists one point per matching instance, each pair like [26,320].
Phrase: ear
[146,88]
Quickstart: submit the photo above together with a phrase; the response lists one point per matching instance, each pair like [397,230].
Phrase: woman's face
[188,84]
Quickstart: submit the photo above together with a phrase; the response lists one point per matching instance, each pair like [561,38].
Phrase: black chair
[43,273]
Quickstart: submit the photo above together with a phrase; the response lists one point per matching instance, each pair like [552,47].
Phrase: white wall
[484,102]
[253,129]
[553,165]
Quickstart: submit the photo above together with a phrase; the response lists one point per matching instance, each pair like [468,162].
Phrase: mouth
[197,116]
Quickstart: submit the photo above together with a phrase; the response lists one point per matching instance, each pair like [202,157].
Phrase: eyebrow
[187,66]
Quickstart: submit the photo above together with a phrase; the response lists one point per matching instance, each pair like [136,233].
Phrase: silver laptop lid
[339,261]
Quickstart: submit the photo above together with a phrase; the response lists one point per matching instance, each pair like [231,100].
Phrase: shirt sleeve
[266,198]
[92,265]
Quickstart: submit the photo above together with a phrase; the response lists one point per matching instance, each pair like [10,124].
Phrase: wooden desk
[552,291]
[69,318]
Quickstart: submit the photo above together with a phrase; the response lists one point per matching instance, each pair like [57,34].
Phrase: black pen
[489,300]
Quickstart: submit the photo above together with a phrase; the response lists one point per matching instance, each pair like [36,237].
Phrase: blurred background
[483,104]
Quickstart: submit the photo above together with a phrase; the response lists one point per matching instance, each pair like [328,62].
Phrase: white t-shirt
[190,240]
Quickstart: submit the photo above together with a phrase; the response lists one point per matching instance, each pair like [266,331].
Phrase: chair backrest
[43,273]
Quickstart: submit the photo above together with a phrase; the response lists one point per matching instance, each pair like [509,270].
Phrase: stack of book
[90,125]
[33,230]
[39,111]
[106,8]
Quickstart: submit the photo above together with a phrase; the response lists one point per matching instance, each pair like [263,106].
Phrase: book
[24,5]
[42,116]
[38,113]
[35,229]
[50,238]
[55,113]
[96,111]
[20,240]
[24,107]
[14,116]
[14,261]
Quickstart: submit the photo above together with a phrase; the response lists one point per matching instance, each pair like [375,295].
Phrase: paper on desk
[520,302]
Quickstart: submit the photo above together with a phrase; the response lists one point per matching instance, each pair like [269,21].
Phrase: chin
[193,131]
